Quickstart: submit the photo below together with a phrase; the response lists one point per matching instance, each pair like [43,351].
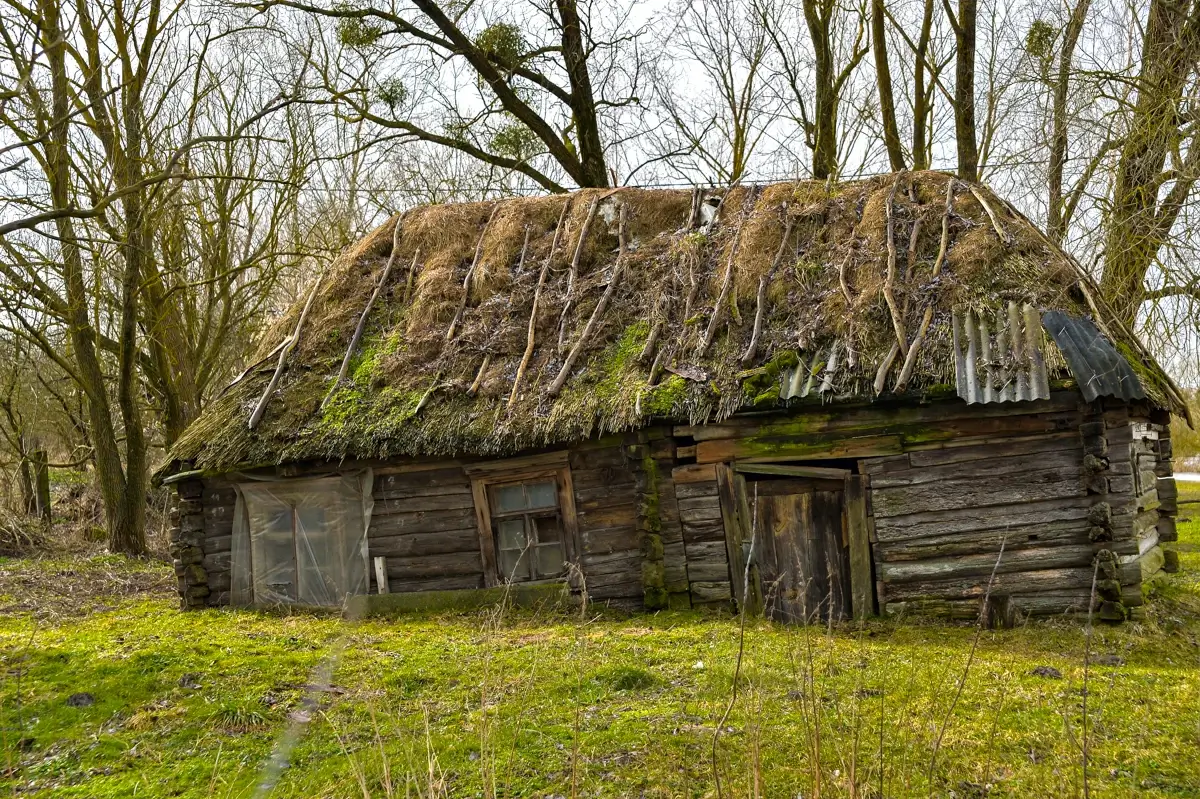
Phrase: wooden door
[802,553]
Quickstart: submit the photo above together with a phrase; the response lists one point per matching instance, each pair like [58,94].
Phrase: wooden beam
[816,472]
[862,594]
[735,531]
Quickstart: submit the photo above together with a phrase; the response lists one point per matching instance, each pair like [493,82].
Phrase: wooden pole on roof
[362,320]
[910,361]
[462,306]
[289,345]
[623,244]
[573,273]
[889,282]
[763,282]
[537,294]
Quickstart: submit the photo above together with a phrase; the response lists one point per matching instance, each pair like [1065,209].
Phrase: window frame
[550,466]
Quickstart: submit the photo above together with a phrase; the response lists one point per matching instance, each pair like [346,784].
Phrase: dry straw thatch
[862,264]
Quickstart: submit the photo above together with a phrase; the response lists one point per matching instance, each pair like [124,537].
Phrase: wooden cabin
[891,396]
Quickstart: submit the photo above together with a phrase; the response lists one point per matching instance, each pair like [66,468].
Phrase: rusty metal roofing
[998,357]
[1094,362]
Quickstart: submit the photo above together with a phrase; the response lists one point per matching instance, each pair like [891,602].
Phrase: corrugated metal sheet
[801,381]
[998,356]
[1094,362]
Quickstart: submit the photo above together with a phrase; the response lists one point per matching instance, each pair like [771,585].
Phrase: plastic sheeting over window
[301,541]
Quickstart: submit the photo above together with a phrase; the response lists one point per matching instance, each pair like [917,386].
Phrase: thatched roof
[434,376]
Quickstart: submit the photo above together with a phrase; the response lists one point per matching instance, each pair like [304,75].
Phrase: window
[525,509]
[528,531]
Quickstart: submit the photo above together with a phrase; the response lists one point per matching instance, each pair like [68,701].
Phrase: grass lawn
[108,690]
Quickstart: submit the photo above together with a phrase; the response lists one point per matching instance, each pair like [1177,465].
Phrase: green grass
[528,704]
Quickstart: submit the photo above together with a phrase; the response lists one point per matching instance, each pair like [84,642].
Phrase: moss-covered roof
[861,264]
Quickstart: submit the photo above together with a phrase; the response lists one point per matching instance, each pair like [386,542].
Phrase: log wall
[1070,491]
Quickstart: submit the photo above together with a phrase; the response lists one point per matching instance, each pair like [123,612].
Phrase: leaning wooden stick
[910,361]
[537,294]
[598,312]
[474,389]
[889,282]
[362,320]
[462,306]
[573,272]
[718,315]
[763,282]
[987,207]
[256,416]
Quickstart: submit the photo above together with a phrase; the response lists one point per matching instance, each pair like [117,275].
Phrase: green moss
[761,385]
[665,398]
[941,391]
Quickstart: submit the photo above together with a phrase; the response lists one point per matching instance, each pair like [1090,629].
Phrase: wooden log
[703,531]
[761,299]
[1067,441]
[573,271]
[719,308]
[452,583]
[979,492]
[383,526]
[982,564]
[1005,583]
[607,540]
[530,335]
[819,472]
[456,500]
[422,567]
[889,282]
[1023,536]
[960,520]
[706,592]
[783,449]
[969,470]
[418,544]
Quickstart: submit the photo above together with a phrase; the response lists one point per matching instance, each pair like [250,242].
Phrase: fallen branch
[573,272]
[537,294]
[362,320]
[437,383]
[761,300]
[842,279]
[651,341]
[290,344]
[462,306]
[910,361]
[884,366]
[563,373]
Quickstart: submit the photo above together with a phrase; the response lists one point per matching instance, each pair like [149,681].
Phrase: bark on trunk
[883,73]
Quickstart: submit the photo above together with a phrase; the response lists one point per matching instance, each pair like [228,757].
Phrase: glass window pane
[549,560]
[514,565]
[509,498]
[542,495]
[548,530]
[510,534]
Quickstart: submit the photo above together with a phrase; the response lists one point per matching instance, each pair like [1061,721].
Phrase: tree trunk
[1056,222]
[922,93]
[125,531]
[964,90]
[41,485]
[1137,224]
[594,173]
[883,74]
[824,157]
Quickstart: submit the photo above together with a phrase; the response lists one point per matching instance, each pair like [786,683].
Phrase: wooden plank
[492,469]
[572,546]
[820,472]
[696,509]
[735,531]
[433,543]
[625,564]
[381,576]
[862,585]
[694,473]
[782,449]
[707,530]
[610,457]
[483,526]
[414,467]
[606,540]
[708,561]
[1036,534]
[611,515]
[706,488]
[454,583]
[419,484]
